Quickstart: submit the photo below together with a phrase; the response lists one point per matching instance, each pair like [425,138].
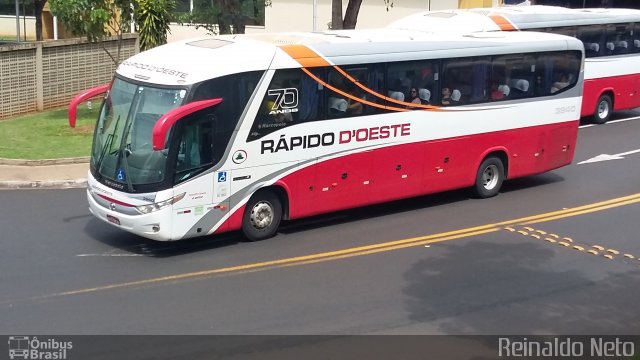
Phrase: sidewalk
[44,174]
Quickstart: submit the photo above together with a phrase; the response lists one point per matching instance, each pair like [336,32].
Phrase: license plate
[113,219]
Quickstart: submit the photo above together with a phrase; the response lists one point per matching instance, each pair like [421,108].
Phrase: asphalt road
[442,264]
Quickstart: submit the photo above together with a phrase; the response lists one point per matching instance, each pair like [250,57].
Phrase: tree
[225,16]
[152,22]
[39,5]
[336,15]
[96,19]
[351,14]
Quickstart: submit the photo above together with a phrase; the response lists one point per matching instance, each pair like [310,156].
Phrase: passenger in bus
[496,93]
[446,96]
[413,96]
[354,107]
[560,84]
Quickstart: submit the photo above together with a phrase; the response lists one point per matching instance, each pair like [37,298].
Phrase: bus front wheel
[262,216]
[604,108]
[489,177]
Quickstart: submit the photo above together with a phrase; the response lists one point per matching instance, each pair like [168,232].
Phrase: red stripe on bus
[115,201]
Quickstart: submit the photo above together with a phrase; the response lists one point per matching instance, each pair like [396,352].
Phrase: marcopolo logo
[26,347]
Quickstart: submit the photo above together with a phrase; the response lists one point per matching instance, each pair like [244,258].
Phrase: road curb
[52,184]
[44,162]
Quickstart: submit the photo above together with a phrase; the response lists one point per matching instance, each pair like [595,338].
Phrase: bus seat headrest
[338,104]
[424,94]
[455,95]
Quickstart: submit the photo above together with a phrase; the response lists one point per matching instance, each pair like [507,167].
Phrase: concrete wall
[43,75]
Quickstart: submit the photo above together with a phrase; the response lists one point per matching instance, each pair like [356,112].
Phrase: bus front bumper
[147,225]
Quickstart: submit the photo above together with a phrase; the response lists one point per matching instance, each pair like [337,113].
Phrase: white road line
[107,254]
[611,122]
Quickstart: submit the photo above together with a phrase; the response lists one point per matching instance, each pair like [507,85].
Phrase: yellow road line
[364,250]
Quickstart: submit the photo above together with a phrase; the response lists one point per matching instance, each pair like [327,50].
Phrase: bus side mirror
[80,98]
[166,121]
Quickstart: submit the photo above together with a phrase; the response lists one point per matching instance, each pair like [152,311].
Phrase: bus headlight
[146,209]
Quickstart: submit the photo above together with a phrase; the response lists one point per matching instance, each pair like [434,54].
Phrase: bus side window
[293,97]
[412,82]
[620,36]
[636,38]
[593,38]
[357,91]
[500,90]
[470,77]
[195,146]
[557,72]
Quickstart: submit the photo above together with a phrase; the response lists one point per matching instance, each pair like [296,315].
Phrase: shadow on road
[133,244]
[518,281]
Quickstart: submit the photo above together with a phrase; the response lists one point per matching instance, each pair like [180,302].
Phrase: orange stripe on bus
[376,94]
[503,23]
[305,56]
[347,95]
[309,58]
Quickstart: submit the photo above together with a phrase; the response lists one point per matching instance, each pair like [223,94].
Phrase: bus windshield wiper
[125,154]
[124,151]
[106,146]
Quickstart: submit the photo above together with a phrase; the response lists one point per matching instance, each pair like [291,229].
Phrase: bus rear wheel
[489,177]
[604,108]
[262,216]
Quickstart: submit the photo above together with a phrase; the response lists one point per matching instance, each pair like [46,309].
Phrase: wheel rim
[490,177]
[603,110]
[261,215]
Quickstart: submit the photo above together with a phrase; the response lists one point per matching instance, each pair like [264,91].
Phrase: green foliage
[225,16]
[152,20]
[94,19]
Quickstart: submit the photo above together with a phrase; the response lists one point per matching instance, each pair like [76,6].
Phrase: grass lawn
[47,135]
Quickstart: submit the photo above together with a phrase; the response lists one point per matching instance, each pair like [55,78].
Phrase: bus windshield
[122,146]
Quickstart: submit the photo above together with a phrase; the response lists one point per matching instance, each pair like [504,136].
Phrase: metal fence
[43,75]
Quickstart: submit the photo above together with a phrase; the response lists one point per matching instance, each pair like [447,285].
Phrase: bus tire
[604,108]
[489,177]
[262,216]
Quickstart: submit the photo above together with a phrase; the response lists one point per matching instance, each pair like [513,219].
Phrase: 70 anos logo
[286,101]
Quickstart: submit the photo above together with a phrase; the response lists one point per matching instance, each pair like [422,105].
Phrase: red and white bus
[611,40]
[225,133]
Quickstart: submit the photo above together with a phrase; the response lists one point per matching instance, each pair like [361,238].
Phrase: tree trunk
[224,27]
[351,16]
[39,5]
[336,14]
[238,24]
[230,18]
